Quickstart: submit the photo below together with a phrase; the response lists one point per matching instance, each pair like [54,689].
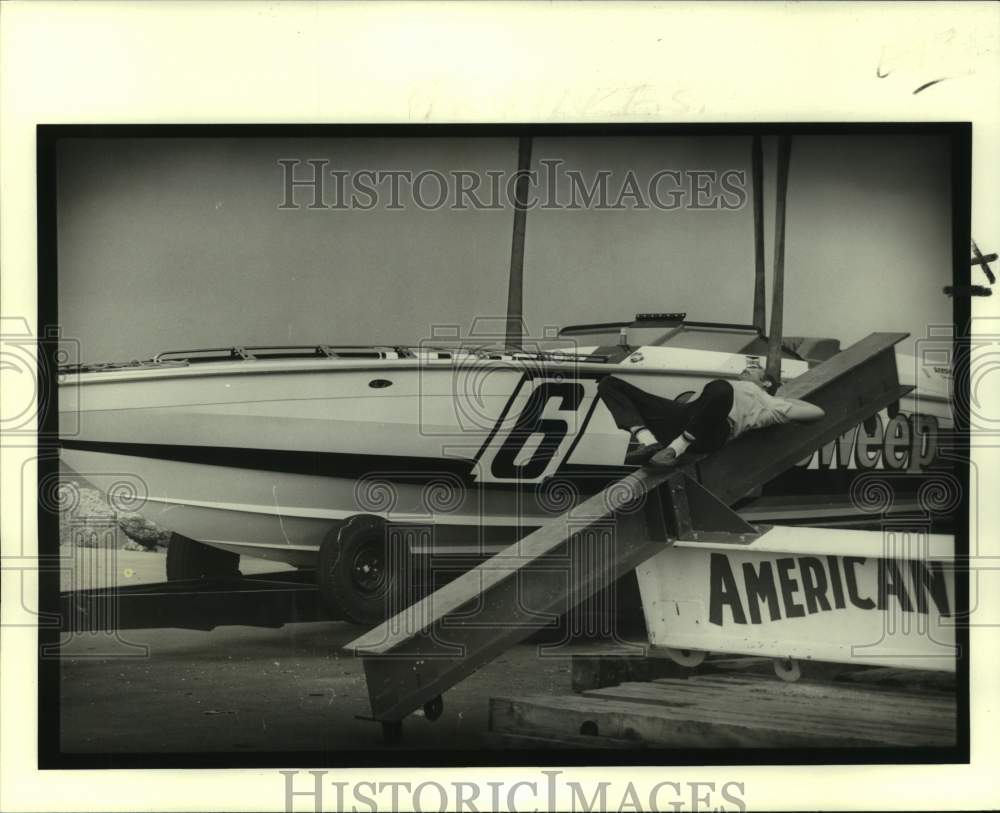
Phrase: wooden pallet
[729,711]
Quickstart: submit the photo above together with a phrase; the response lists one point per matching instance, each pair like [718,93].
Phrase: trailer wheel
[787,669]
[187,559]
[686,657]
[363,576]
[433,709]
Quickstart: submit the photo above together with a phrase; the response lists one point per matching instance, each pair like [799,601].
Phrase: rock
[131,544]
[81,507]
[142,531]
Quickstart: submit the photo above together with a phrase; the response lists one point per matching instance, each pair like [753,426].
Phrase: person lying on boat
[662,429]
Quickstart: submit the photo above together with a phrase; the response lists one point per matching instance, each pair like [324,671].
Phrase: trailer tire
[360,577]
[188,559]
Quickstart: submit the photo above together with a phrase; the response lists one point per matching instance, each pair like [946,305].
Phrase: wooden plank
[755,690]
[473,583]
[840,365]
[762,455]
[850,387]
[816,724]
[718,706]
[419,653]
[819,690]
[673,727]
[652,725]
[467,587]
[444,651]
[731,693]
[905,721]
[905,679]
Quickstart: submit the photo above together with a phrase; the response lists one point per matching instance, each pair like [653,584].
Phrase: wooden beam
[419,653]
[759,293]
[552,536]
[851,386]
[773,368]
[429,647]
[515,282]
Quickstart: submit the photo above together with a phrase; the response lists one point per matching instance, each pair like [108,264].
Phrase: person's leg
[652,420]
[708,419]
[706,427]
[631,406]
[622,401]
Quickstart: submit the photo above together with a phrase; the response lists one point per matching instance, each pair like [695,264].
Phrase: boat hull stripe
[399,468]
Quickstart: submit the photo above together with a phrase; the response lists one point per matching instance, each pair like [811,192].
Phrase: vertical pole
[515,286]
[757,171]
[778,297]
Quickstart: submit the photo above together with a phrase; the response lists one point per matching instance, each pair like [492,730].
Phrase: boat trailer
[260,600]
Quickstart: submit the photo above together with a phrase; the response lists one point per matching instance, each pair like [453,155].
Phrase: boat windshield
[673,332]
[694,337]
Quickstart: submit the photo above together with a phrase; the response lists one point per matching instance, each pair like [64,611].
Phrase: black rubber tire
[360,578]
[433,709]
[187,559]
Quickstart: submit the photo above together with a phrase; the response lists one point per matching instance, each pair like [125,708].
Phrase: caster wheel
[392,732]
[433,709]
[787,669]
[687,657]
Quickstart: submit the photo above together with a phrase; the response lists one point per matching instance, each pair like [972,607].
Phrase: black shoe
[665,457]
[640,455]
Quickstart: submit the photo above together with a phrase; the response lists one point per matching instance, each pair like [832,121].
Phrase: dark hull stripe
[586,479]
[324,464]
[398,468]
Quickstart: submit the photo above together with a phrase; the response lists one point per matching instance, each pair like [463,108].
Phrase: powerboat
[275,452]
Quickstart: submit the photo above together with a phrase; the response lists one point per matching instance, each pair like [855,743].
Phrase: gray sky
[167,244]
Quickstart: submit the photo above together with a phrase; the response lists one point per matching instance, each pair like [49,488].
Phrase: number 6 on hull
[537,431]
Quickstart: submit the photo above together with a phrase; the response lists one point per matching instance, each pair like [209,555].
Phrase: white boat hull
[268,457]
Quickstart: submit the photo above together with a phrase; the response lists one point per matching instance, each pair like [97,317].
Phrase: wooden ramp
[427,648]
[851,386]
[728,711]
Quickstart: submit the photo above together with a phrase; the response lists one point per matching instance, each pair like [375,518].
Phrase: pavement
[293,689]
[251,689]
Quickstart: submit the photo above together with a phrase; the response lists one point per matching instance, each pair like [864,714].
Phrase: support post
[757,172]
[515,282]
[773,369]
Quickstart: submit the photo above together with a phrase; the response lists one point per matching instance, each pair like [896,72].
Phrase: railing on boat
[325,351]
[279,351]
